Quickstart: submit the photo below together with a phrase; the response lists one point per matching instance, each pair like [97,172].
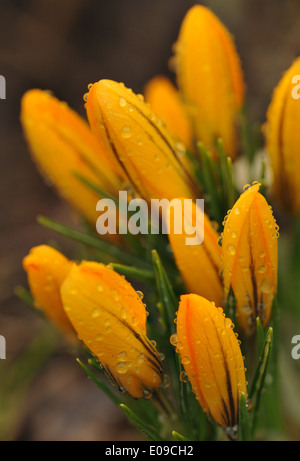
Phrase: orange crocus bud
[211,356]
[61,144]
[200,262]
[154,165]
[210,78]
[46,270]
[250,258]
[110,318]
[165,101]
[282,138]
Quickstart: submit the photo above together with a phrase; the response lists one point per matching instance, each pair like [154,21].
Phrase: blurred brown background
[63,46]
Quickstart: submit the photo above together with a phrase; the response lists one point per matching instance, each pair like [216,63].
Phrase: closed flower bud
[110,318]
[210,78]
[153,163]
[46,270]
[282,139]
[211,356]
[62,144]
[200,262]
[165,102]
[250,258]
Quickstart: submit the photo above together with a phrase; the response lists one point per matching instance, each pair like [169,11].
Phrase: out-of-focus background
[63,46]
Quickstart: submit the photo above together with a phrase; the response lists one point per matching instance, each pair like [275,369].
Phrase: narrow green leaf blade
[260,376]
[91,241]
[148,431]
[244,430]
[179,437]
[100,384]
[166,293]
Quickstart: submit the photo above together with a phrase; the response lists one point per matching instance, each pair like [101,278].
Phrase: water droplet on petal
[122,102]
[266,286]
[174,339]
[126,132]
[231,250]
[95,313]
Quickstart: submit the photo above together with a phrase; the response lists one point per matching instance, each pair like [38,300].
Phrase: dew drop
[95,313]
[147,394]
[266,286]
[121,356]
[183,377]
[231,250]
[126,132]
[122,389]
[140,294]
[141,358]
[262,269]
[122,368]
[179,346]
[180,149]
[122,102]
[174,339]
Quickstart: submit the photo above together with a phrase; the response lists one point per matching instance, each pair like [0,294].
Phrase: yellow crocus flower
[46,270]
[153,163]
[210,78]
[250,258]
[110,318]
[282,139]
[211,356]
[199,264]
[165,101]
[61,143]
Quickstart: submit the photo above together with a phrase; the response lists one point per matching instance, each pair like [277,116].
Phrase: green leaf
[104,388]
[230,306]
[260,337]
[167,296]
[226,178]
[260,376]
[142,275]
[25,296]
[17,375]
[210,184]
[148,431]
[94,187]
[179,437]
[91,241]
[244,429]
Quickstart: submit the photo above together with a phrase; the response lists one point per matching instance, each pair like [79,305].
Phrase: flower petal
[46,270]
[250,258]
[110,318]
[210,78]
[154,165]
[211,355]
[61,144]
